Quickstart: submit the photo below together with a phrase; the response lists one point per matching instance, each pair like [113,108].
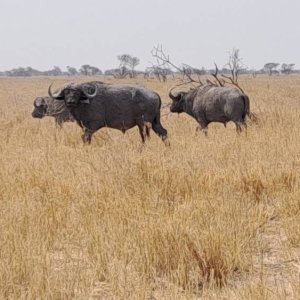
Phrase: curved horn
[173,96]
[55,96]
[89,96]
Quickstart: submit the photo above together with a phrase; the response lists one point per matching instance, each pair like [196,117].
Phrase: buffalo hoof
[166,142]
[86,139]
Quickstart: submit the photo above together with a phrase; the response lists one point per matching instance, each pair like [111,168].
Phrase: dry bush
[116,221]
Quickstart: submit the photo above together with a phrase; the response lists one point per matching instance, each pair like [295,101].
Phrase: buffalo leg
[148,126]
[58,124]
[142,130]
[202,128]
[205,130]
[87,136]
[238,126]
[158,129]
[202,123]
[245,126]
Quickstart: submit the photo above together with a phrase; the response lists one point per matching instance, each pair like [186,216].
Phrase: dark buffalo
[95,105]
[47,106]
[212,104]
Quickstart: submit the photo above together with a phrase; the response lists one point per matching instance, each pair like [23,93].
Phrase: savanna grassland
[207,218]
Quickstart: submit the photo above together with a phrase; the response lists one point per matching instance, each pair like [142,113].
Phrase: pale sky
[41,34]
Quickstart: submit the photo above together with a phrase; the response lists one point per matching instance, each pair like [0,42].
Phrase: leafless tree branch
[215,75]
[233,81]
[164,60]
[234,64]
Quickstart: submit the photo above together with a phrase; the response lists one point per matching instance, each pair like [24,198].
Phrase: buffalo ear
[38,102]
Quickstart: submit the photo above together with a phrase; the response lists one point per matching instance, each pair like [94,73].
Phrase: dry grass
[209,218]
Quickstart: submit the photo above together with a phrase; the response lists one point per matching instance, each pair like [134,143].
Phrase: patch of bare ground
[277,265]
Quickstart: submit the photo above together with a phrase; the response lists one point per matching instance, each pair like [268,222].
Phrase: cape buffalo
[95,105]
[47,106]
[212,104]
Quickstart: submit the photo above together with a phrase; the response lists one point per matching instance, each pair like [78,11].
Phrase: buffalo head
[178,101]
[75,94]
[40,108]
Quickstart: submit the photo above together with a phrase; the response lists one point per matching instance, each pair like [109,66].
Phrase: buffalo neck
[188,105]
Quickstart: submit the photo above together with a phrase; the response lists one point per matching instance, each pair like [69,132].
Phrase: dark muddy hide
[95,105]
[212,104]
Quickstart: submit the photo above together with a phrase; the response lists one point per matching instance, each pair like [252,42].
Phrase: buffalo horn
[89,96]
[173,96]
[55,96]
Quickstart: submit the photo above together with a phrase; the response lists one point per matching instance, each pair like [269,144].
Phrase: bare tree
[159,72]
[117,73]
[84,70]
[270,68]
[72,71]
[234,63]
[56,71]
[218,81]
[129,62]
[88,70]
[193,71]
[163,61]
[287,68]
[235,66]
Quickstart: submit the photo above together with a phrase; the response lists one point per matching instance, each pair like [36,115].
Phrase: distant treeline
[155,71]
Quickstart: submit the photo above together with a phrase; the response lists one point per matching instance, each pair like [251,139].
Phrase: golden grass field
[207,218]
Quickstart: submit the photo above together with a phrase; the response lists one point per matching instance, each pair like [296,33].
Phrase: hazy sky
[41,34]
